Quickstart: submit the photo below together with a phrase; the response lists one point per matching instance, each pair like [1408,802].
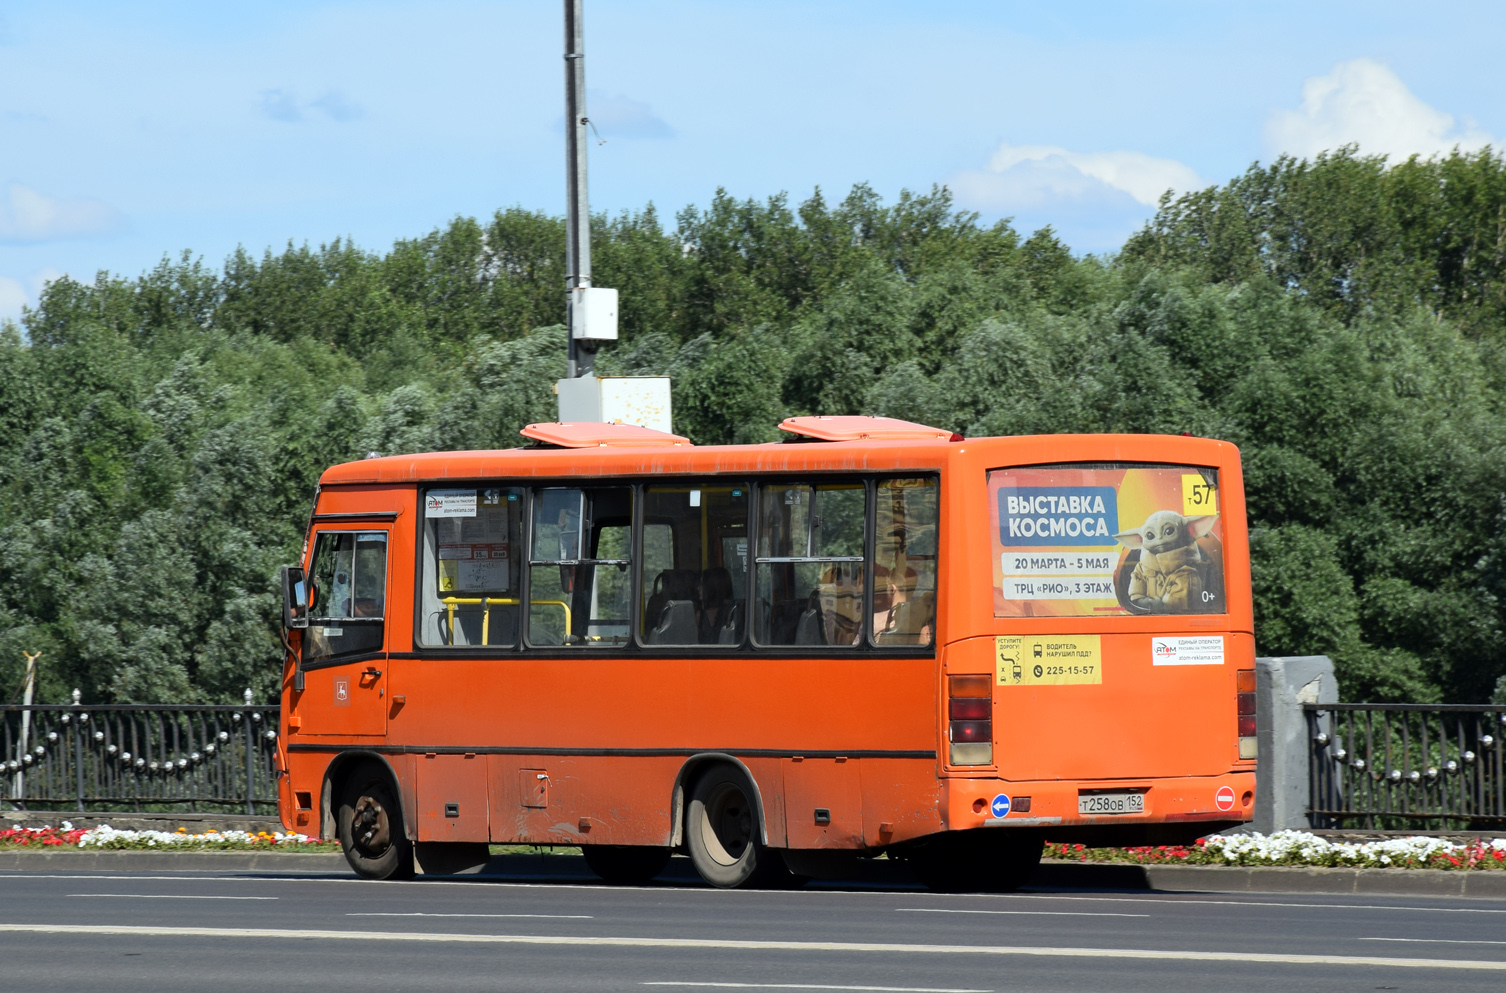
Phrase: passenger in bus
[1173,573]
[717,605]
[902,613]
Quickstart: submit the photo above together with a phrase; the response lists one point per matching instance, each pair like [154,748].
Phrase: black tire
[988,860]
[625,865]
[369,822]
[722,833]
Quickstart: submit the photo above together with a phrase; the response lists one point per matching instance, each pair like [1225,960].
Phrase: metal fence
[1406,766]
[139,758]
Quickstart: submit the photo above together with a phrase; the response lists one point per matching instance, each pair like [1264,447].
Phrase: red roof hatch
[855,428]
[586,434]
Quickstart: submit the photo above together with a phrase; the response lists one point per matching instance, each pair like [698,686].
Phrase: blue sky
[131,130]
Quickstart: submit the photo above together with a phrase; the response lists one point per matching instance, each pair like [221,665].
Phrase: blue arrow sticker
[1000,806]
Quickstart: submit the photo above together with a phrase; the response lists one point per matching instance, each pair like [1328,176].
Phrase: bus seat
[670,585]
[784,620]
[732,632]
[808,630]
[676,625]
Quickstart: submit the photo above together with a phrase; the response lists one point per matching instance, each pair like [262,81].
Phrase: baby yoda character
[1173,574]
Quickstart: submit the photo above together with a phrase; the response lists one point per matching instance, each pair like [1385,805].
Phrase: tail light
[1244,697]
[970,709]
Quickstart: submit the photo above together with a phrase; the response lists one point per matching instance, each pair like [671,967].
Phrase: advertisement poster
[1092,541]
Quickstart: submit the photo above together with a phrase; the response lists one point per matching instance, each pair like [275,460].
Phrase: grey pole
[250,754]
[78,750]
[578,211]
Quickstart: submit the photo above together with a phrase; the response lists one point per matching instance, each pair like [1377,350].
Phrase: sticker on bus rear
[1049,660]
[1205,649]
[1100,539]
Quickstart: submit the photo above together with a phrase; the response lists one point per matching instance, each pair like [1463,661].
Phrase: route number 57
[1199,497]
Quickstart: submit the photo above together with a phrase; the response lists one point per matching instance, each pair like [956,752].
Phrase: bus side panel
[581,800]
[823,799]
[604,709]
[451,797]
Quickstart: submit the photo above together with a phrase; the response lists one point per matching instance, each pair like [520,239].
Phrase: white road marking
[1151,898]
[584,941]
[1174,902]
[1442,941]
[1024,913]
[571,917]
[169,896]
[812,986]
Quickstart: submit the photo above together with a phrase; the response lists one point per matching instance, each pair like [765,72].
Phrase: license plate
[1111,803]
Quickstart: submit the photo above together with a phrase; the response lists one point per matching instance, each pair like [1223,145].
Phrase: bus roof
[624,458]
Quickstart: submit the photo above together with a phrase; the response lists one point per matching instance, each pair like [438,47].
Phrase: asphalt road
[241,931]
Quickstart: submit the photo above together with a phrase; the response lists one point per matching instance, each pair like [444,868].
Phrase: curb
[882,873]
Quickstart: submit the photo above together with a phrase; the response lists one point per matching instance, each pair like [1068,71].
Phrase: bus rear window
[1106,539]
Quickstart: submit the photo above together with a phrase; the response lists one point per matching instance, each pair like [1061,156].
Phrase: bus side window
[904,561]
[347,594]
[810,564]
[471,567]
[693,576]
[579,561]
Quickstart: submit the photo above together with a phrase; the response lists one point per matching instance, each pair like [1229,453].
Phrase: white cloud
[617,116]
[28,216]
[16,293]
[286,106]
[1364,102]
[13,297]
[1025,176]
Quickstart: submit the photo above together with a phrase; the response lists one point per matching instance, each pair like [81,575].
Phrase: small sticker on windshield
[450,503]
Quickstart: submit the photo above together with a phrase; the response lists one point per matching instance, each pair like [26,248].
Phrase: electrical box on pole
[593,313]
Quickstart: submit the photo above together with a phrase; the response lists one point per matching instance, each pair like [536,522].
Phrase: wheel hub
[728,826]
[370,827]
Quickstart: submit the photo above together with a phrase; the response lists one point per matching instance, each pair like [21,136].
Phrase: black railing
[1406,766]
[142,757]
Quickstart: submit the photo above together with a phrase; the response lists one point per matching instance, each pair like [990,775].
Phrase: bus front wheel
[722,832]
[369,822]
[625,865]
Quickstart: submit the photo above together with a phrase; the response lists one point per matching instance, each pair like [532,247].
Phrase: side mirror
[295,600]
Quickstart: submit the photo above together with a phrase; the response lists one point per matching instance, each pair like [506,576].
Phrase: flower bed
[106,837]
[1299,848]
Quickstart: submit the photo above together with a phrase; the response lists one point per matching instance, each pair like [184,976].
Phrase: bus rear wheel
[722,832]
[978,861]
[625,865]
[369,823]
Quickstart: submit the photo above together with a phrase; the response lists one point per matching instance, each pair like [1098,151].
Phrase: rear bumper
[1173,807]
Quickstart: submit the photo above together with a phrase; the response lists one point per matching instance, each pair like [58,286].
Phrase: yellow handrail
[485,602]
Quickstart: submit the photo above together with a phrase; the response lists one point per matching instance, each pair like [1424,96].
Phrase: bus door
[342,656]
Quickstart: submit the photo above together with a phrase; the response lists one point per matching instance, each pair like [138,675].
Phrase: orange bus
[873,637]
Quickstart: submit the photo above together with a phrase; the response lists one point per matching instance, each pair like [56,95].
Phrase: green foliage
[1339,320]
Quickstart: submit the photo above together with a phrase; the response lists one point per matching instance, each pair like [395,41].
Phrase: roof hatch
[855,428]
[588,434]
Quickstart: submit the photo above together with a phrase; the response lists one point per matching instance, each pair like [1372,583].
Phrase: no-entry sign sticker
[1224,798]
